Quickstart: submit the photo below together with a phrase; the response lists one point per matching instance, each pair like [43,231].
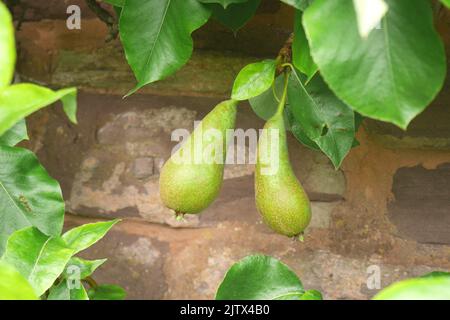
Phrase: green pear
[280,197]
[191,179]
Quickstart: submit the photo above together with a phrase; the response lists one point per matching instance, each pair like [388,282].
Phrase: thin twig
[106,17]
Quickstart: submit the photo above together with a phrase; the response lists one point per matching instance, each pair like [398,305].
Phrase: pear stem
[283,97]
[179,216]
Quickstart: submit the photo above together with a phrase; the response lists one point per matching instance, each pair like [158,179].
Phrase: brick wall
[388,206]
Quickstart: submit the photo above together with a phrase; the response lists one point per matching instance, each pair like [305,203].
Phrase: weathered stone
[421,206]
[321,214]
[143,168]
[134,262]
[104,67]
[321,179]
[32,10]
[152,261]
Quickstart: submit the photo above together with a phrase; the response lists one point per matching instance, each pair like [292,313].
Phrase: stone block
[421,206]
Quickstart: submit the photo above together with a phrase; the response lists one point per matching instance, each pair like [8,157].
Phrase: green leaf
[223,3]
[311,295]
[13,286]
[15,134]
[84,236]
[254,79]
[62,291]
[7,47]
[28,195]
[265,105]
[390,76]
[431,288]
[446,2]
[107,292]
[84,268]
[301,55]
[295,127]
[301,136]
[324,119]
[156,35]
[20,100]
[259,278]
[235,16]
[358,121]
[298,4]
[39,258]
[69,102]
[435,274]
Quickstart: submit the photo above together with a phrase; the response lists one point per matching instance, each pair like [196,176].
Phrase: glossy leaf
[254,79]
[235,16]
[435,274]
[260,278]
[223,3]
[446,2]
[28,195]
[7,47]
[301,55]
[62,291]
[295,127]
[15,134]
[324,118]
[39,258]
[13,286]
[369,14]
[20,100]
[311,295]
[156,35]
[84,236]
[298,4]
[85,268]
[265,105]
[431,288]
[69,102]
[107,292]
[390,76]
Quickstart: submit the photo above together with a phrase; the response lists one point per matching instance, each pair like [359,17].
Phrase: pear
[191,179]
[280,198]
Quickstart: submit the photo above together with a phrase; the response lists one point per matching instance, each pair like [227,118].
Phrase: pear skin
[280,198]
[191,179]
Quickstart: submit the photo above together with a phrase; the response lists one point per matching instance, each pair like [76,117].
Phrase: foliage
[262,278]
[13,286]
[425,288]
[156,35]
[383,60]
[36,261]
[387,76]
[266,278]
